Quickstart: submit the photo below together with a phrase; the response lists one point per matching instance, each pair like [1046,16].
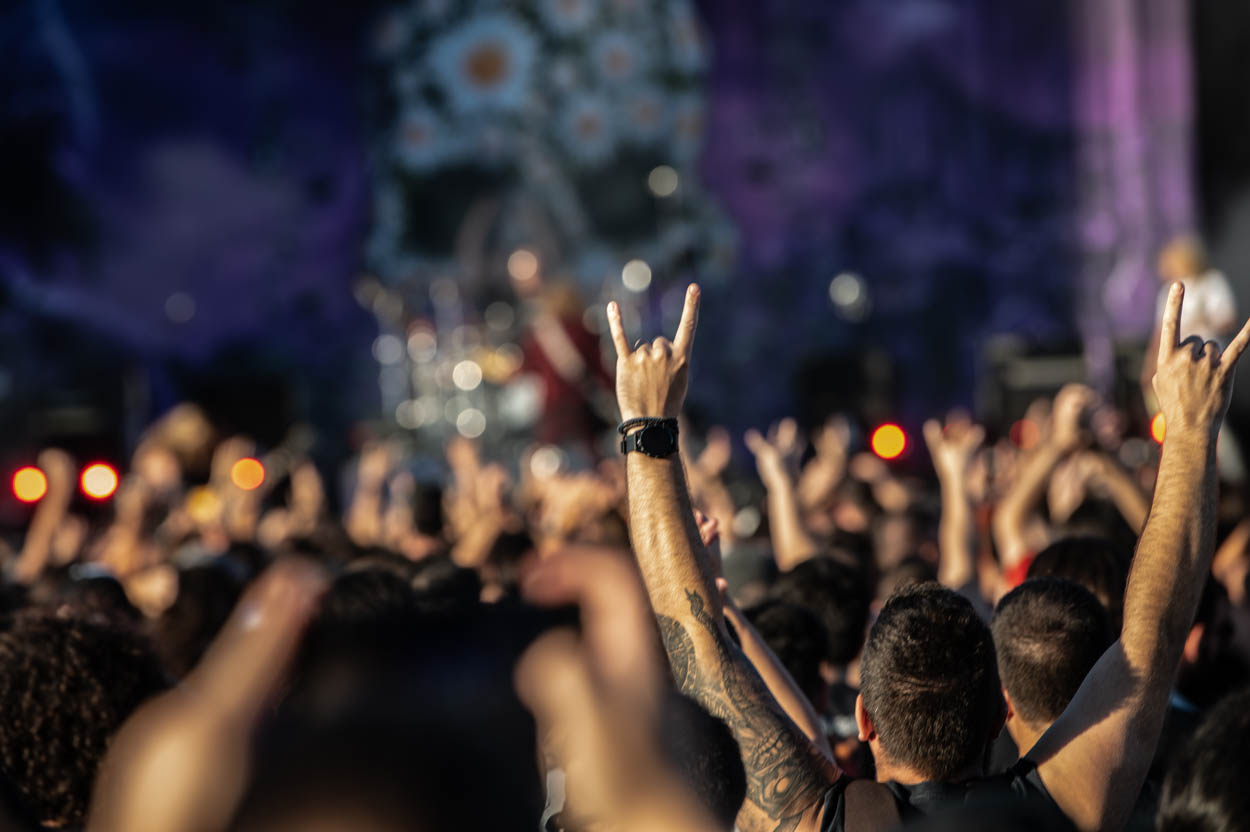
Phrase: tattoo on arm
[786,775]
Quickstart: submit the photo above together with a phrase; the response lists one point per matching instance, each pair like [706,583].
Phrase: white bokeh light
[636,275]
[467,375]
[471,423]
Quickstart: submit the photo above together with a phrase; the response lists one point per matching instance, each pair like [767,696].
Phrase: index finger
[689,321]
[1235,348]
[1169,328]
[618,330]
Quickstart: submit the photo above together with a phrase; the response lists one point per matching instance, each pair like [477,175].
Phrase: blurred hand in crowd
[777,455]
[597,697]
[182,760]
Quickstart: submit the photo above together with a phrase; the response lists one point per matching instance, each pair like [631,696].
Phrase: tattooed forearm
[680,651]
[786,775]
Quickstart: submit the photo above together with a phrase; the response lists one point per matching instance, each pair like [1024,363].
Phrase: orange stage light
[889,441]
[247,473]
[29,484]
[99,481]
[1158,428]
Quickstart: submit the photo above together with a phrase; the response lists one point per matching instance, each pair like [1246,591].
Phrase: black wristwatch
[658,437]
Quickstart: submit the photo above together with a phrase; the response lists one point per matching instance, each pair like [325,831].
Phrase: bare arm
[1230,566]
[822,475]
[792,544]
[786,776]
[952,452]
[1034,473]
[37,545]
[1094,758]
[779,681]
[1125,493]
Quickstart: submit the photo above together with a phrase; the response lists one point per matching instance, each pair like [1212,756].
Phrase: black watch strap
[658,437]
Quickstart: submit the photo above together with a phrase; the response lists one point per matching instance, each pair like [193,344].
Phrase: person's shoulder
[833,815]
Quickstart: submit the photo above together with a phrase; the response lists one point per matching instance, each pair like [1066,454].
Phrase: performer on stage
[567,359]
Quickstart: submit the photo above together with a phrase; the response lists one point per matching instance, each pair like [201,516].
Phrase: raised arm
[786,775]
[952,450]
[1127,496]
[1034,473]
[1094,758]
[792,544]
[779,681]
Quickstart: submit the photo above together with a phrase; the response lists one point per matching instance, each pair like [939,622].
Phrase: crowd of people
[1051,632]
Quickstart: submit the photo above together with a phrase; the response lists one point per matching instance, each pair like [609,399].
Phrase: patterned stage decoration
[540,125]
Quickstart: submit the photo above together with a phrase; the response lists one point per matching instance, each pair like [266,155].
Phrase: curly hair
[66,685]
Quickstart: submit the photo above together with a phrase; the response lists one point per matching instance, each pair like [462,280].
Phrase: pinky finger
[1235,348]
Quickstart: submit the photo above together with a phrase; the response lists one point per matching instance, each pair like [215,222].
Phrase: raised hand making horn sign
[651,380]
[786,775]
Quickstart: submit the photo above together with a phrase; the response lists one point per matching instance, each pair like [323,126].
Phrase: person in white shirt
[1210,314]
[1210,309]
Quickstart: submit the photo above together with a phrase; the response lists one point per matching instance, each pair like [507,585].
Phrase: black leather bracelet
[645,421]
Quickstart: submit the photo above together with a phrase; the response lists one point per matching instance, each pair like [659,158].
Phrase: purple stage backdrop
[197,186]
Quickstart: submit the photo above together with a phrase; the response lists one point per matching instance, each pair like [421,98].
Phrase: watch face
[656,441]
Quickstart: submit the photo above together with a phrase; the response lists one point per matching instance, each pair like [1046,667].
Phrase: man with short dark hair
[1093,760]
[930,699]
[1048,635]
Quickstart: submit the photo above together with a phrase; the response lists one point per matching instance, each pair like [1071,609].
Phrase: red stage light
[247,473]
[29,484]
[1158,428]
[889,441]
[99,481]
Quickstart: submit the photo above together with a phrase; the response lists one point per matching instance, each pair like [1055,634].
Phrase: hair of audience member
[503,563]
[392,726]
[207,592]
[368,595]
[1093,562]
[1220,667]
[1099,518]
[427,508]
[1048,634]
[247,559]
[929,681]
[66,685]
[391,773]
[838,594]
[101,598]
[705,755]
[378,557]
[441,585]
[912,569]
[1205,785]
[798,638]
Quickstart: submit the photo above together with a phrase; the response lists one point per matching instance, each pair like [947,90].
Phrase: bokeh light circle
[889,441]
[1158,428]
[99,481]
[247,473]
[29,484]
